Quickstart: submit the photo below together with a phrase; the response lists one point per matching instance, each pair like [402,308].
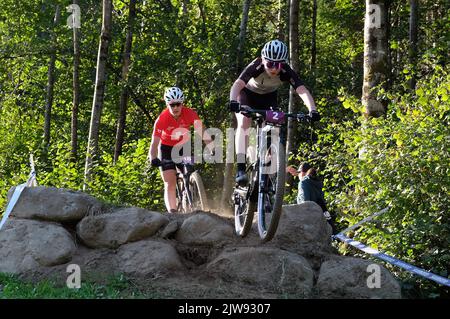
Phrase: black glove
[315,116]
[234,106]
[245,110]
[156,162]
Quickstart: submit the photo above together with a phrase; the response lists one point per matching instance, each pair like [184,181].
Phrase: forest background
[67,88]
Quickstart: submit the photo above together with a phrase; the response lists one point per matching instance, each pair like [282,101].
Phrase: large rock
[28,244]
[53,204]
[148,258]
[170,229]
[347,277]
[122,226]
[271,268]
[189,251]
[304,230]
[204,229]
[96,262]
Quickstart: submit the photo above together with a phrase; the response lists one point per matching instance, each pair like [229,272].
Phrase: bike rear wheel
[271,190]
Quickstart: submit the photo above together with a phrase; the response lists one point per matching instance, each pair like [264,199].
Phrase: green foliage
[130,181]
[400,161]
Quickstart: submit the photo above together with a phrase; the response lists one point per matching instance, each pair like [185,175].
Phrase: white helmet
[173,94]
[275,50]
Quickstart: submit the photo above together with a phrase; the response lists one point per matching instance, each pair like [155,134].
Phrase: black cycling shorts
[166,155]
[259,101]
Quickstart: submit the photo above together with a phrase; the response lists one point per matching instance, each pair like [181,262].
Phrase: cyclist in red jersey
[170,133]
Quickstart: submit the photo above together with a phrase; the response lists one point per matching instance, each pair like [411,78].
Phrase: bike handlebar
[277,117]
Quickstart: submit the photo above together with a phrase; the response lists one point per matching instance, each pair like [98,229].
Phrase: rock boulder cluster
[52,228]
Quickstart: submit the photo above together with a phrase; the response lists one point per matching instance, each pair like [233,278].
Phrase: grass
[116,287]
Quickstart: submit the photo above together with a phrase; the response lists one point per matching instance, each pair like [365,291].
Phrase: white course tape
[394,261]
[365,220]
[32,177]
[12,203]
[31,182]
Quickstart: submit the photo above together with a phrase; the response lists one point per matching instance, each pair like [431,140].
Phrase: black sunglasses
[174,104]
[273,64]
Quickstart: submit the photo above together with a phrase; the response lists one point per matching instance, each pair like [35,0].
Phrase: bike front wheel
[245,204]
[271,190]
[182,203]
[199,200]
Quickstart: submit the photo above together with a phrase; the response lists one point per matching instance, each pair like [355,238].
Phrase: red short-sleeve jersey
[173,131]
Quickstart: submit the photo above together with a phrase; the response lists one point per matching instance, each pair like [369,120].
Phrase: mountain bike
[266,174]
[190,191]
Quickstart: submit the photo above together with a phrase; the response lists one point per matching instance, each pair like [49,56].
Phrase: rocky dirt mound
[194,255]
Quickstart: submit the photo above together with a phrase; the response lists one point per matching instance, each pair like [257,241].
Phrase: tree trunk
[228,180]
[76,91]
[294,61]
[50,83]
[413,26]
[313,37]
[242,34]
[228,174]
[204,21]
[142,24]
[184,7]
[280,21]
[283,19]
[391,75]
[97,103]
[399,56]
[393,55]
[125,69]
[376,66]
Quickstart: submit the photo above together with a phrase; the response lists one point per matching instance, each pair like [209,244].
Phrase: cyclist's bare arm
[153,151]
[236,88]
[307,98]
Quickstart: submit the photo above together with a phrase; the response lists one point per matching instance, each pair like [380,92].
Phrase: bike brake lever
[249,114]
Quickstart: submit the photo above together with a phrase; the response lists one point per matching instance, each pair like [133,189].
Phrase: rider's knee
[243,122]
[169,184]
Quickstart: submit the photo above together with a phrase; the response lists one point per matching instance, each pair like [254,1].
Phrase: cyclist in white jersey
[257,87]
